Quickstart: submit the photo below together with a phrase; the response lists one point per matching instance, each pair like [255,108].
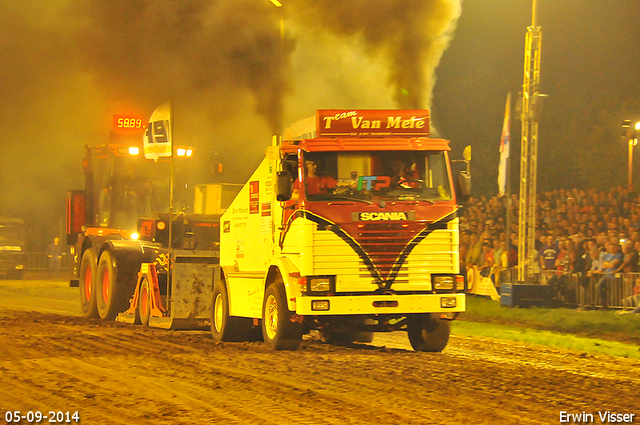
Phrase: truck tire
[224,327]
[278,330]
[428,332]
[87,285]
[114,287]
[144,302]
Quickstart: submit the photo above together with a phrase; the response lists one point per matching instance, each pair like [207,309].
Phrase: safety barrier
[38,261]
[575,289]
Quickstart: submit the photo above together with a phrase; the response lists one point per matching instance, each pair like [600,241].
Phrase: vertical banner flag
[504,149]
[157,139]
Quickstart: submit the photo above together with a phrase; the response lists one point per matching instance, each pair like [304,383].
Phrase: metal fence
[577,289]
[38,261]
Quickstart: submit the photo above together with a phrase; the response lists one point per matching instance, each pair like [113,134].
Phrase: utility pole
[529,152]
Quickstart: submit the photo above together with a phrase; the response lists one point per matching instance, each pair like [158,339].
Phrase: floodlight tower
[529,151]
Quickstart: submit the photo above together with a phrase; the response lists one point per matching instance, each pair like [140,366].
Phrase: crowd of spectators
[585,232]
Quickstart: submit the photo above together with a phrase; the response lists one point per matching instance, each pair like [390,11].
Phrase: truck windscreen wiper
[350,199]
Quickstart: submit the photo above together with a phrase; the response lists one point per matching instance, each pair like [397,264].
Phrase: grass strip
[606,325]
[594,323]
[547,338]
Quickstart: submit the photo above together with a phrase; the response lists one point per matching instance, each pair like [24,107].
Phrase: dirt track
[113,373]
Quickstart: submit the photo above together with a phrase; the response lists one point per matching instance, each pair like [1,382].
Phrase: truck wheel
[114,287]
[224,327]
[144,302]
[427,332]
[279,332]
[87,285]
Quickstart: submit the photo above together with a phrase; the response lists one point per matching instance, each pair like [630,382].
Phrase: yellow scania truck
[348,226]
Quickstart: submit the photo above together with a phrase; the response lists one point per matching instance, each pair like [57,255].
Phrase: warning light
[161,225]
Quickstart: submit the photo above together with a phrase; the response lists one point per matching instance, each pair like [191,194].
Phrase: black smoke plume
[411,35]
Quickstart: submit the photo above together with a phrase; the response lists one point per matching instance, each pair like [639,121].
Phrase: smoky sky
[150,51]
[67,66]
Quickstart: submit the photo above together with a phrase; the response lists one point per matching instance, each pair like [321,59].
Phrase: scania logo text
[387,216]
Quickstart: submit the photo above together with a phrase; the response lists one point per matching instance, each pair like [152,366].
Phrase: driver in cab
[403,176]
[316,184]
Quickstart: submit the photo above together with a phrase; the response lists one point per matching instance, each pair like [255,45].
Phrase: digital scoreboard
[125,123]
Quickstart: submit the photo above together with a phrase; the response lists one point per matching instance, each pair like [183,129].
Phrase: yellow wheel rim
[219,311]
[271,317]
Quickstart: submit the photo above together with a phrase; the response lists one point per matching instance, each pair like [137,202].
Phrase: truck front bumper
[380,304]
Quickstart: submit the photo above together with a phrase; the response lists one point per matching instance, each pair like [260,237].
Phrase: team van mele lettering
[392,122]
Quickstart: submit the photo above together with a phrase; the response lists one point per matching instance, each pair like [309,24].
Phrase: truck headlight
[443,283]
[319,284]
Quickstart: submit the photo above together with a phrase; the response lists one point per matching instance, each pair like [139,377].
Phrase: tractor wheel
[428,332]
[114,287]
[144,302]
[279,332]
[87,285]
[225,327]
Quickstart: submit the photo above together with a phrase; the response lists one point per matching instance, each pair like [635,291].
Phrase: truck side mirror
[283,186]
[463,185]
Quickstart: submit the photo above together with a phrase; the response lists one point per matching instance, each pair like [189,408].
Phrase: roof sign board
[372,123]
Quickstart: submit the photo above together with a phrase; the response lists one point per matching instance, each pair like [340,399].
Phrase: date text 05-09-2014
[38,417]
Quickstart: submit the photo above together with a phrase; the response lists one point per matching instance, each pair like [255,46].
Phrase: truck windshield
[377,175]
[127,188]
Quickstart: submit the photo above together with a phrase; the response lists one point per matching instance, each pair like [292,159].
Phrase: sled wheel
[279,332]
[144,302]
[427,332]
[88,268]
